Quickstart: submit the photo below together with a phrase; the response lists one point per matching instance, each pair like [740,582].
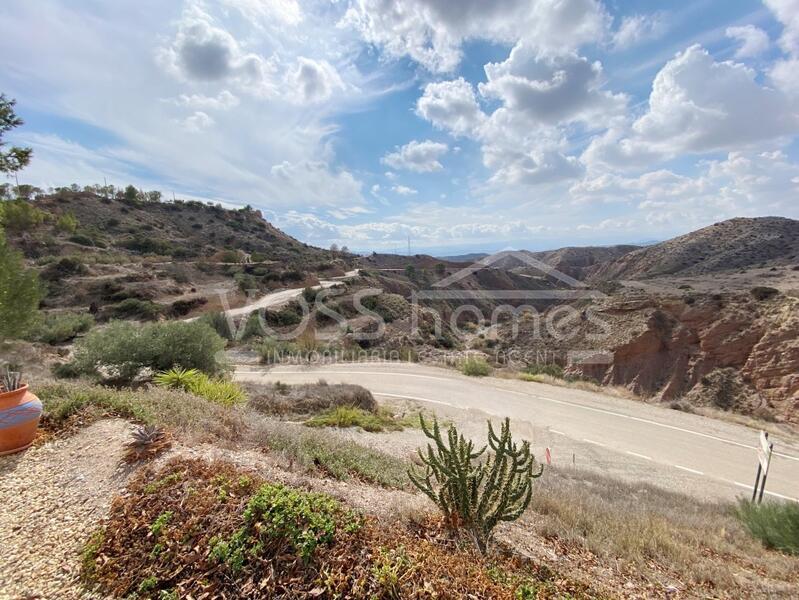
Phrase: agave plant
[148,441]
[177,377]
[10,380]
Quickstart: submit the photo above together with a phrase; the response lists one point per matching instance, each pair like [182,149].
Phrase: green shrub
[69,266]
[122,350]
[20,293]
[20,215]
[776,524]
[218,322]
[66,223]
[220,391]
[539,369]
[352,416]
[272,350]
[133,308]
[84,240]
[59,328]
[280,520]
[472,493]
[475,367]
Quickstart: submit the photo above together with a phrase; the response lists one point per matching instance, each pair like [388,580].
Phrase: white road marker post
[764,452]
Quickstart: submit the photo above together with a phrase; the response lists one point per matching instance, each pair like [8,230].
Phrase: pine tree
[15,158]
[19,293]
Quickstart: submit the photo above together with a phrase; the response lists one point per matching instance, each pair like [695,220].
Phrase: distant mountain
[578,262]
[734,244]
[474,256]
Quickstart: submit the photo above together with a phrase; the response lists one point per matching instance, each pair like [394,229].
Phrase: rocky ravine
[672,348]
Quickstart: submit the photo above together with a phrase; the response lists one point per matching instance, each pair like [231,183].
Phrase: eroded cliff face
[672,348]
[668,347]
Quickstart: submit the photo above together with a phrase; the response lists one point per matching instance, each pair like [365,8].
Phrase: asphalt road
[707,458]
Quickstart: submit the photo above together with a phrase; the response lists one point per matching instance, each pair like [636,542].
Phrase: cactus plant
[476,494]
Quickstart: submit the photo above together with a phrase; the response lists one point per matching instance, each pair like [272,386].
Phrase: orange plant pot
[20,412]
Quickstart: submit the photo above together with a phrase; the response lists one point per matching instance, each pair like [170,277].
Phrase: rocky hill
[729,245]
[137,257]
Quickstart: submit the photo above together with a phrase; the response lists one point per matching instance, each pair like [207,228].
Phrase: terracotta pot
[19,417]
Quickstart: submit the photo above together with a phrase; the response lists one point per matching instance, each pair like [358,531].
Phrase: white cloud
[196,122]
[742,184]
[313,182]
[312,81]
[787,13]
[635,29]
[532,167]
[783,75]
[451,105]
[403,190]
[550,90]
[420,157]
[222,101]
[204,52]
[431,32]
[698,105]
[754,41]
[265,12]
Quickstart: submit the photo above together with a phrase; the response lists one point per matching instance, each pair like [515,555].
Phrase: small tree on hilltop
[15,158]
[476,494]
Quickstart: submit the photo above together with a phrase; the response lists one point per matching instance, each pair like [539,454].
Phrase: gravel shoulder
[53,497]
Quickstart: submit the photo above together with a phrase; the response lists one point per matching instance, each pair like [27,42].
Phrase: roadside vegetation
[123,352]
[776,524]
[475,367]
[233,532]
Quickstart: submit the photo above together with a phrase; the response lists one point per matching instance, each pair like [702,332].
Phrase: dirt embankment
[673,348]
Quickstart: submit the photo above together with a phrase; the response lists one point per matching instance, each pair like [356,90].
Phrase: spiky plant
[179,378]
[148,441]
[472,493]
[10,380]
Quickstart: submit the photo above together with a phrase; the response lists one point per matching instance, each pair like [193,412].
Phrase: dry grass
[653,532]
[71,404]
[307,399]
[618,391]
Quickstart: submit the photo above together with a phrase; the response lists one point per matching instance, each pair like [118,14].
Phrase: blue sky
[463,124]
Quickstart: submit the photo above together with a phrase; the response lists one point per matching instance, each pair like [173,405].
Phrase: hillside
[138,258]
[739,243]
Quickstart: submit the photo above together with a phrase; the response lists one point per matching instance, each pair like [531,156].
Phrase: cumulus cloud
[635,29]
[551,89]
[787,13]
[312,81]
[754,41]
[743,183]
[205,52]
[698,105]
[532,167]
[420,157]
[431,32]
[451,105]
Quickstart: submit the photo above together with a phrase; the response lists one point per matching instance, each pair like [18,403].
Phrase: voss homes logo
[561,321]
